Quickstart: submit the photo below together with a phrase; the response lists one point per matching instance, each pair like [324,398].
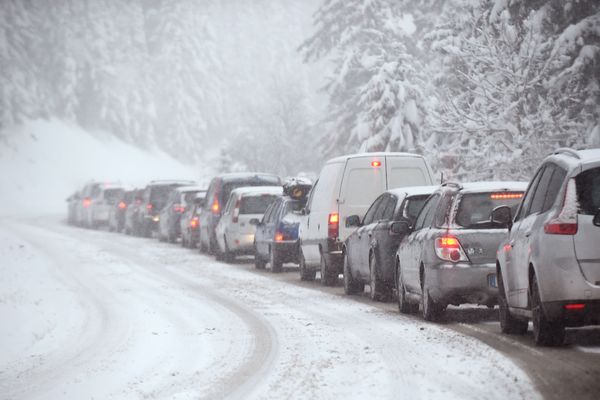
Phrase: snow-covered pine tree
[375,98]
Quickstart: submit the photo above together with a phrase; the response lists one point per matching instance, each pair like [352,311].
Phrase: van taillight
[565,223]
[236,211]
[149,206]
[86,202]
[448,248]
[333,225]
[122,205]
[178,208]
[215,207]
[194,222]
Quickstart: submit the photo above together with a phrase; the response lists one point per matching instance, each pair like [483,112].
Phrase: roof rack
[452,184]
[568,151]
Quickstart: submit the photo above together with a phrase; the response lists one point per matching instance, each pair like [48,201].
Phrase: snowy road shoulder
[149,320]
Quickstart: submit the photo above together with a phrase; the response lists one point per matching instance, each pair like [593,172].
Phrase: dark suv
[154,199]
[217,195]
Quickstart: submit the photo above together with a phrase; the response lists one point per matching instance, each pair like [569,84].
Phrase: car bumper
[588,315]
[287,251]
[241,243]
[461,283]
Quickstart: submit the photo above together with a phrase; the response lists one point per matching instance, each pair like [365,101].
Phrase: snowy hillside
[43,162]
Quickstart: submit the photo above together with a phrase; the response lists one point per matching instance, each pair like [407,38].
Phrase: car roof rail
[568,151]
[452,184]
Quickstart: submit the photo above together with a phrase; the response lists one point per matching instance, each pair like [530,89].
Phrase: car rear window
[413,207]
[112,195]
[588,191]
[293,205]
[188,197]
[475,209]
[256,204]
[160,194]
[256,181]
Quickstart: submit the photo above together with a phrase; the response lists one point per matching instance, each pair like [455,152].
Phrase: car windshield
[588,191]
[256,204]
[475,209]
[293,206]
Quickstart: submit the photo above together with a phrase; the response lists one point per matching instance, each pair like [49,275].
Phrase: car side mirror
[596,220]
[502,215]
[304,211]
[254,221]
[399,228]
[352,220]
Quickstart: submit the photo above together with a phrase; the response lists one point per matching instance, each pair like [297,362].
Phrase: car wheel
[275,261]
[227,255]
[432,311]
[305,273]
[404,306]
[327,278]
[508,323]
[379,291]
[545,332]
[201,244]
[351,286]
[259,263]
[171,238]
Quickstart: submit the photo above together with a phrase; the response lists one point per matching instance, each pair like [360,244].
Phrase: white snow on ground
[96,317]
[43,162]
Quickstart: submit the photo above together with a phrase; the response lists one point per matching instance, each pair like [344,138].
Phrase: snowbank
[43,162]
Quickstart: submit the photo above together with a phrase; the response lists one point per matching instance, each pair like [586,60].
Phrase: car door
[355,246]
[383,243]
[519,245]
[410,248]
[365,236]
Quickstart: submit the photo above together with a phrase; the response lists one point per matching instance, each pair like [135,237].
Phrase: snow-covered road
[89,314]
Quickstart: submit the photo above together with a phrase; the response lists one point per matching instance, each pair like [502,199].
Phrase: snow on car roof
[258,190]
[375,154]
[472,187]
[574,158]
[183,189]
[242,175]
[171,182]
[413,190]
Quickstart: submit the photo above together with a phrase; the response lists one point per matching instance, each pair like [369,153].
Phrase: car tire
[201,245]
[404,305]
[545,332]
[508,324]
[306,274]
[379,291]
[351,286]
[275,261]
[259,263]
[227,255]
[327,278]
[432,311]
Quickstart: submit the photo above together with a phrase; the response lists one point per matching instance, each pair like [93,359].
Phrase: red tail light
[178,208]
[565,223]
[194,223]
[215,207]
[122,205]
[279,237]
[236,211]
[448,248]
[333,225]
[149,206]
[86,202]
[573,307]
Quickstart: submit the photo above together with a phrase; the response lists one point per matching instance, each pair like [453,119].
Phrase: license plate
[492,280]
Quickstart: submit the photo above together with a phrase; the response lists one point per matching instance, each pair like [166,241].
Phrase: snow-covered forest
[483,88]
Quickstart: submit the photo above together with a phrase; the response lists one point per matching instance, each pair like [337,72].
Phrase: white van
[347,185]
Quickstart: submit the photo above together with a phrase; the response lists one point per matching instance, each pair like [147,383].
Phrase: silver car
[549,265]
[448,257]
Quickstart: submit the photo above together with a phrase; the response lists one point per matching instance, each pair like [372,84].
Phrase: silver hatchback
[549,265]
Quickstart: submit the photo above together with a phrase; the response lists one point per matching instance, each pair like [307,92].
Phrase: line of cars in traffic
[379,220]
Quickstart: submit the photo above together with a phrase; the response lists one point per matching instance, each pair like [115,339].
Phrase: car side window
[540,192]
[229,204]
[310,197]
[370,215]
[428,209]
[388,214]
[385,199]
[554,187]
[526,202]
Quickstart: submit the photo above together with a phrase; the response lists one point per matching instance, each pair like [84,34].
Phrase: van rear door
[408,170]
[364,180]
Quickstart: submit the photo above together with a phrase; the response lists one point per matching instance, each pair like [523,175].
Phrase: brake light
[375,164]
[333,225]
[565,223]
[236,211]
[573,307]
[194,223]
[149,206]
[215,207]
[506,196]
[279,237]
[86,202]
[122,205]
[448,248]
[178,208]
